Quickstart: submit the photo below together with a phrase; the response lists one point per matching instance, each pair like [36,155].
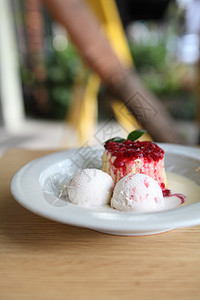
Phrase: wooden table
[42,259]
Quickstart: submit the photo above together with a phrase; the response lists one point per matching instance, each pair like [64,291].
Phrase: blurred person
[86,33]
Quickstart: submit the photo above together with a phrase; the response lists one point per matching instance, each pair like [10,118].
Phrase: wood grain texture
[42,259]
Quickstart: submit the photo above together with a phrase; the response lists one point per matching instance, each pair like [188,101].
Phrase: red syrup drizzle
[168,193]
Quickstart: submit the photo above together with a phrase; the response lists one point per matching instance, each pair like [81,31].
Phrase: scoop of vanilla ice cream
[138,193]
[90,187]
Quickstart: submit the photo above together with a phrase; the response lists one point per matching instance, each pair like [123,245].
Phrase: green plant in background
[164,76]
[160,72]
[61,71]
[61,68]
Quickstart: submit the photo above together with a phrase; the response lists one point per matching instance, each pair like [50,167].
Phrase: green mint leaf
[136,134]
[116,140]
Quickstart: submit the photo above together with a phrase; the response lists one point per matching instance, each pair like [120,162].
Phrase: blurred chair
[82,117]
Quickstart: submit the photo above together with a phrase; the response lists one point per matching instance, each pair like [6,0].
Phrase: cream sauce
[180,184]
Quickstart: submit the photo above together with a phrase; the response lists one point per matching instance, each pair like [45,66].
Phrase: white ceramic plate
[36,187]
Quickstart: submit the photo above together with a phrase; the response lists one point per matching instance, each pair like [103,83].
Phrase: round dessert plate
[38,186]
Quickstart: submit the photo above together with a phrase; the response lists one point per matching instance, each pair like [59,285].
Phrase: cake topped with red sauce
[122,157]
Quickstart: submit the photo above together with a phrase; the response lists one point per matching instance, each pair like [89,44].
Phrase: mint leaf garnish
[136,134]
[133,136]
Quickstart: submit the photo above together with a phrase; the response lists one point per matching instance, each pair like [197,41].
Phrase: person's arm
[86,34]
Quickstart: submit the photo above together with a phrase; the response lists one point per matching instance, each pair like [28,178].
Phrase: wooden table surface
[42,259]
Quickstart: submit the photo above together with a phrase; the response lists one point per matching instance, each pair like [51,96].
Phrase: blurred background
[39,64]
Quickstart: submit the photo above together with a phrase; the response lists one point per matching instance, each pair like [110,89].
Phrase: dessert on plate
[133,177]
[122,157]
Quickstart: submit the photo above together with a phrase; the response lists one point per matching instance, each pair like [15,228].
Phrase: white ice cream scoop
[138,193]
[90,187]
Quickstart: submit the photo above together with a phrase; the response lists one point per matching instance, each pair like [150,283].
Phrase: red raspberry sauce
[133,150]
